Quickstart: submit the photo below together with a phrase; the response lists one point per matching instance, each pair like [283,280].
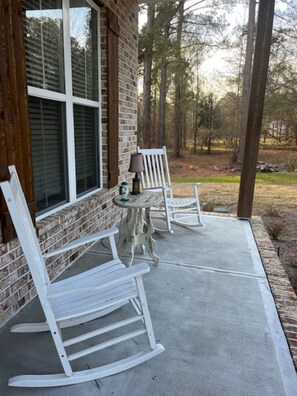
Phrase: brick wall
[95,212]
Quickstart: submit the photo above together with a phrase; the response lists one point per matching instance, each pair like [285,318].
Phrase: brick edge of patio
[283,293]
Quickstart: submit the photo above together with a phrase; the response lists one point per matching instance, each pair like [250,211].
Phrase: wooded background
[177,109]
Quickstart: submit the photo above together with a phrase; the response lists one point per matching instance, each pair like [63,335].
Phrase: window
[62,63]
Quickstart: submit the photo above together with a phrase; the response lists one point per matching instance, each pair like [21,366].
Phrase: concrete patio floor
[211,308]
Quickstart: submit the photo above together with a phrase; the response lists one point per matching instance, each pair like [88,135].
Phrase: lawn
[261,178]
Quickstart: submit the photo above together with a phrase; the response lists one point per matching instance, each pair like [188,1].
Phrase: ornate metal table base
[137,227]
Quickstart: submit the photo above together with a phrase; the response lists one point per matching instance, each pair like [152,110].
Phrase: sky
[217,65]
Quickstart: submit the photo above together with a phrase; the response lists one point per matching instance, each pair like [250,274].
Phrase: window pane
[84,49]
[44,44]
[48,148]
[86,148]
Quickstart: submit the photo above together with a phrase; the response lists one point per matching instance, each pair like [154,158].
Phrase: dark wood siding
[15,144]
[112,98]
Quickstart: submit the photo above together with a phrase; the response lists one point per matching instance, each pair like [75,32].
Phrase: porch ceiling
[212,310]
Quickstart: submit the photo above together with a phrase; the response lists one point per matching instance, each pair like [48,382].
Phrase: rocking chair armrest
[106,281]
[156,189]
[83,241]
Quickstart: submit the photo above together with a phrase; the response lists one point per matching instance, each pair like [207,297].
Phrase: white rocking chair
[156,177]
[79,299]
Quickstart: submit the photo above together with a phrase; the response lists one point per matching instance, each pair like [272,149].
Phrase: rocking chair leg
[197,204]
[167,214]
[146,313]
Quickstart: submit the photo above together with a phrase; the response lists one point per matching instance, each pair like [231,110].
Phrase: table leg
[133,227]
[149,241]
[124,233]
[138,228]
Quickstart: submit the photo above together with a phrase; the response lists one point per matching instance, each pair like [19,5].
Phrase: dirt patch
[202,165]
[276,204]
[219,163]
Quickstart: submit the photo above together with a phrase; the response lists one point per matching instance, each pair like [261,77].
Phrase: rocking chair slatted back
[156,176]
[19,212]
[156,171]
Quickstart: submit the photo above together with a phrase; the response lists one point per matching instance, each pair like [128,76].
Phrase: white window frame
[69,101]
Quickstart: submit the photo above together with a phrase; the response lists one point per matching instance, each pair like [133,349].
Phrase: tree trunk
[196,115]
[195,125]
[147,78]
[247,77]
[177,80]
[195,138]
[162,96]
[154,118]
[185,128]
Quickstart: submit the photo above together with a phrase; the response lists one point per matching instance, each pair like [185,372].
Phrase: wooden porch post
[255,111]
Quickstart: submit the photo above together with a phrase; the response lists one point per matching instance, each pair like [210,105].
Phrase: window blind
[48,151]
[86,152]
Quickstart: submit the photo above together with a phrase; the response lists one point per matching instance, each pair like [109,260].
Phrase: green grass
[276,178]
[261,178]
[222,179]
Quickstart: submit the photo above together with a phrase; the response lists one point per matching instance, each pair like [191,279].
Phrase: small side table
[137,227]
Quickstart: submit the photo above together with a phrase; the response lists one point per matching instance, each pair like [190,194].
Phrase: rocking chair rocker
[79,299]
[156,177]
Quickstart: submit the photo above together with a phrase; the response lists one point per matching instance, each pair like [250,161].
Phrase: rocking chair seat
[90,291]
[181,202]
